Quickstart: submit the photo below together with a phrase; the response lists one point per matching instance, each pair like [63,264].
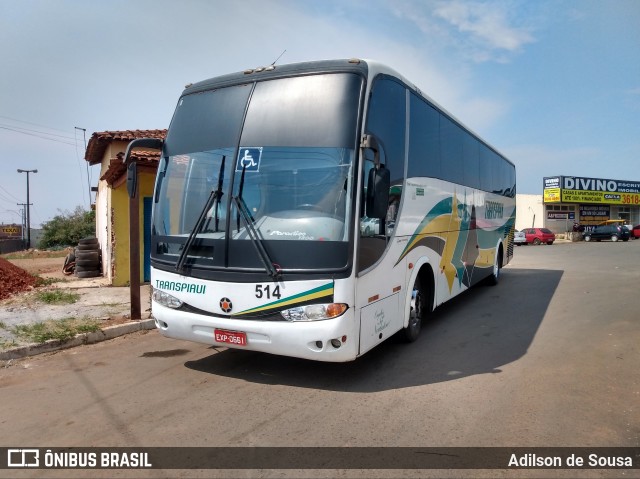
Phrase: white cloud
[486,23]
[480,31]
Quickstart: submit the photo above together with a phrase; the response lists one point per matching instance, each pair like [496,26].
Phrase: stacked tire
[88,261]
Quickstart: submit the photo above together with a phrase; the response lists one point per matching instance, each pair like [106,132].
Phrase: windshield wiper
[219,194]
[243,211]
[212,200]
[255,239]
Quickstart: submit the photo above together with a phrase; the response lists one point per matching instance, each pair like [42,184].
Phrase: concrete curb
[80,339]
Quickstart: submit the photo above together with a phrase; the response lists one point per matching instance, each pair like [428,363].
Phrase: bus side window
[386,120]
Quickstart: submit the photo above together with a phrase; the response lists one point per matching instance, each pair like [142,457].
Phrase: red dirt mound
[13,279]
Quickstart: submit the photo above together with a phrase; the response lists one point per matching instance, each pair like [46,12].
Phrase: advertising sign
[551,189]
[10,231]
[594,214]
[595,190]
[581,196]
[551,182]
[552,195]
[561,215]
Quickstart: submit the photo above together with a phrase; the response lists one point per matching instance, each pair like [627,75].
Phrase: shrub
[66,229]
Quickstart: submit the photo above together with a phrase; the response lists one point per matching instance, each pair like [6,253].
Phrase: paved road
[547,358]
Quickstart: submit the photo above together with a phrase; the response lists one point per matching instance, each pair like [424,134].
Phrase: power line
[20,128]
[27,132]
[14,198]
[31,123]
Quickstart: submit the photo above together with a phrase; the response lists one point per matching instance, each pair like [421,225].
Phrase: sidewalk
[108,305]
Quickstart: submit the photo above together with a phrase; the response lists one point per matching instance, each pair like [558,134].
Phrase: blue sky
[554,85]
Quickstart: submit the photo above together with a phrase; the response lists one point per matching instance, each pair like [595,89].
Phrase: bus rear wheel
[494,278]
[417,312]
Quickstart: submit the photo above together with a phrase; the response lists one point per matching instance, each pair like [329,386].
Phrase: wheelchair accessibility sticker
[249,159]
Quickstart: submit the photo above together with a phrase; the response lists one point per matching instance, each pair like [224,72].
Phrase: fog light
[336,343]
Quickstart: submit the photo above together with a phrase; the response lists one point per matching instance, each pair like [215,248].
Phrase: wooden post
[134,219]
[134,253]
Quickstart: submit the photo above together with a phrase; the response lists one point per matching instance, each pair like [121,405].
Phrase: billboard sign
[577,189]
[10,231]
[594,214]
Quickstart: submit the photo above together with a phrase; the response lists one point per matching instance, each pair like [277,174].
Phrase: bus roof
[365,67]
[278,71]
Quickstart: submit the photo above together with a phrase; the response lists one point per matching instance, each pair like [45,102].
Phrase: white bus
[314,210]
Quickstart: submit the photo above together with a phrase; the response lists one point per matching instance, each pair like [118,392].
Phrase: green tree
[66,229]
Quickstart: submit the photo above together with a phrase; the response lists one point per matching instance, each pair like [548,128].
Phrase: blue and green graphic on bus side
[450,229]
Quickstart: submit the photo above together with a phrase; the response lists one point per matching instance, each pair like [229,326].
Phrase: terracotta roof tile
[101,139]
[117,167]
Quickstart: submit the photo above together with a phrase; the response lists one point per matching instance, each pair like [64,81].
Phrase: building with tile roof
[107,148]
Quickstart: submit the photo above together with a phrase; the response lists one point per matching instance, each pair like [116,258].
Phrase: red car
[539,235]
[635,232]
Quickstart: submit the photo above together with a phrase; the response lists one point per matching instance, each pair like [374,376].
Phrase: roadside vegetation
[67,228]
[61,329]
[6,343]
[57,296]
[40,281]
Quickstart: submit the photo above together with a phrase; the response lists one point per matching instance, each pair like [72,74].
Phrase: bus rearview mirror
[132,170]
[378,185]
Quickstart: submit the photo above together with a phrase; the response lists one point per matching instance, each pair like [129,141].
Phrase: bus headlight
[165,299]
[314,312]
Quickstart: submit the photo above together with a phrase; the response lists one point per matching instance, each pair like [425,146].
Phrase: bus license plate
[230,337]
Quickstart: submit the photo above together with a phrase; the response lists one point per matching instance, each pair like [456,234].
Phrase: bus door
[381,290]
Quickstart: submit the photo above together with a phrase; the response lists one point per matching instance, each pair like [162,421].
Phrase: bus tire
[494,278]
[417,312]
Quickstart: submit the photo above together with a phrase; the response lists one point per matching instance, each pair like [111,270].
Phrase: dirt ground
[97,299]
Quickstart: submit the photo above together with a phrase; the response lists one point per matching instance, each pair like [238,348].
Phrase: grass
[6,344]
[40,281]
[57,296]
[61,329]
[3,325]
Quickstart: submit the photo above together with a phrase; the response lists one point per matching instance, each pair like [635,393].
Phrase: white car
[519,238]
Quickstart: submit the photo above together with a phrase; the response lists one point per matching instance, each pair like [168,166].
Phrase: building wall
[120,236]
[104,209]
[560,217]
[103,200]
[120,228]
[529,211]
[112,220]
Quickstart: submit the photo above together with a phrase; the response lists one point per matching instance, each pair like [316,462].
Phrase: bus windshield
[299,193]
[293,172]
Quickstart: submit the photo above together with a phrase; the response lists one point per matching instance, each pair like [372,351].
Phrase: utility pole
[28,212]
[84,135]
[23,217]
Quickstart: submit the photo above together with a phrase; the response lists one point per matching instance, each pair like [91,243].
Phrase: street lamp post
[28,213]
